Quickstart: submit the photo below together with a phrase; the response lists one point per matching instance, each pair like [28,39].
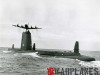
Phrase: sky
[62,21]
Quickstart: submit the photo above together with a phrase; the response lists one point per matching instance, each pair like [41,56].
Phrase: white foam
[6,51]
[17,54]
[34,54]
[90,64]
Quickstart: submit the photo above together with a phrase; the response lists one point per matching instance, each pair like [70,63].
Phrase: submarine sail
[26,43]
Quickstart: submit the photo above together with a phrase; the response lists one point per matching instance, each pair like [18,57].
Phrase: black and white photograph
[49,37]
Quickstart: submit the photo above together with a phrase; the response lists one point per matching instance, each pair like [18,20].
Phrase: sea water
[12,63]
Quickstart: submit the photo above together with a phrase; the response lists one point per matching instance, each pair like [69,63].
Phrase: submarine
[26,46]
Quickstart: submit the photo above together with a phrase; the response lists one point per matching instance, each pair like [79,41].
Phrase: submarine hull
[64,54]
[57,54]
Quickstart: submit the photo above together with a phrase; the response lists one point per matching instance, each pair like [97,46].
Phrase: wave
[7,51]
[90,64]
[33,54]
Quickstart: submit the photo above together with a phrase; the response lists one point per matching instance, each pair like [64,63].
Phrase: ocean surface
[12,63]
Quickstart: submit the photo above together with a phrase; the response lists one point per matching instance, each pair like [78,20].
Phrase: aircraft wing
[14,25]
[19,26]
[26,27]
[34,28]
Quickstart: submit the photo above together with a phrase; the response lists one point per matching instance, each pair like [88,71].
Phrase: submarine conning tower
[26,42]
[76,48]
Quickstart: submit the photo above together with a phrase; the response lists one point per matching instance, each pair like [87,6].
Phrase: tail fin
[13,46]
[76,47]
[34,46]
